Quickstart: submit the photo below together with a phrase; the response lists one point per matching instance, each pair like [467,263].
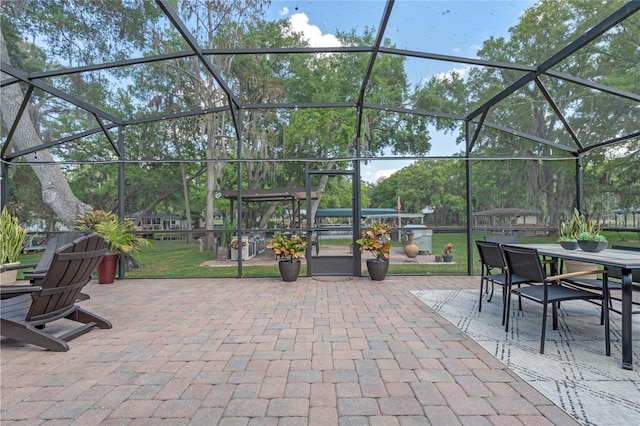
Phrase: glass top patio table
[625,260]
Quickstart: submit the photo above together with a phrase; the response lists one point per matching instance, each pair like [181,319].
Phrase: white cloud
[374,175]
[312,33]
[284,11]
[460,72]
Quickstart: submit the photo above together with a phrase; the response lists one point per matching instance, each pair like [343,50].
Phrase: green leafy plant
[580,227]
[376,239]
[12,237]
[588,236]
[569,231]
[564,234]
[587,229]
[119,234]
[287,248]
[226,236]
[448,248]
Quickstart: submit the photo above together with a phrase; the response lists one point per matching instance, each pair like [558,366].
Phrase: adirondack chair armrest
[34,275]
[8,291]
[18,266]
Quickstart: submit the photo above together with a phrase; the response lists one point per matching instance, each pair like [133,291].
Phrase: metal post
[4,172]
[467,135]
[579,184]
[357,215]
[121,157]
[239,188]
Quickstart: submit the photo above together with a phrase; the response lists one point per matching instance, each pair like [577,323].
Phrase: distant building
[505,217]
[158,221]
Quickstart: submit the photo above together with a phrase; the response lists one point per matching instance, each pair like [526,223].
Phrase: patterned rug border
[574,372]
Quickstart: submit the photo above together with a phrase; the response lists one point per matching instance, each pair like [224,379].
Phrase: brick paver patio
[263,352]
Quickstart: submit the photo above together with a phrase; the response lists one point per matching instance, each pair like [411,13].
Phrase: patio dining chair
[494,271]
[525,263]
[501,239]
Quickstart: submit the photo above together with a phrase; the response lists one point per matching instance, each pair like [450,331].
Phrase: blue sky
[456,28]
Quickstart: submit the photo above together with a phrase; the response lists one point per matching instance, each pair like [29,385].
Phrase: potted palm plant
[119,234]
[12,240]
[376,239]
[289,251]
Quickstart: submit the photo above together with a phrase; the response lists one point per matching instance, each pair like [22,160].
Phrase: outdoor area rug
[574,371]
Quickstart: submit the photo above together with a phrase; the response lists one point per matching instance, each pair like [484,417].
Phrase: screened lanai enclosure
[216,124]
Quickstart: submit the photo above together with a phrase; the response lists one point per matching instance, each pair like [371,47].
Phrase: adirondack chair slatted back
[52,246]
[70,271]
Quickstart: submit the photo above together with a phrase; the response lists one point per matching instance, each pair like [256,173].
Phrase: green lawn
[176,259]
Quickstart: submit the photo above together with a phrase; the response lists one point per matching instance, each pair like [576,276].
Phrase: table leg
[627,344]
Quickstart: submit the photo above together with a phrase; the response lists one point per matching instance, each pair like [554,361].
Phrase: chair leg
[29,334]
[492,288]
[544,327]
[607,335]
[504,304]
[506,308]
[610,306]
[606,296]
[86,317]
[519,300]
[481,294]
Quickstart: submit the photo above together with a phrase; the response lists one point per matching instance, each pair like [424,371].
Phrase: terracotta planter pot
[411,249]
[9,277]
[577,266]
[107,268]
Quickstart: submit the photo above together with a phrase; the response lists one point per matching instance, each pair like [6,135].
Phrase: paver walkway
[264,352]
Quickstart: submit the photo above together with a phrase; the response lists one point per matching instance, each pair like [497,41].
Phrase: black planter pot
[569,245]
[593,246]
[377,269]
[289,270]
[447,258]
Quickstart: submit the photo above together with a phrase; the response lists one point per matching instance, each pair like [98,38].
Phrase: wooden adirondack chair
[23,316]
[38,270]
[54,243]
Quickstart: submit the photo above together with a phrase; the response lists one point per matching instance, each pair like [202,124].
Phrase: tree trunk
[56,192]
[185,184]
[216,149]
